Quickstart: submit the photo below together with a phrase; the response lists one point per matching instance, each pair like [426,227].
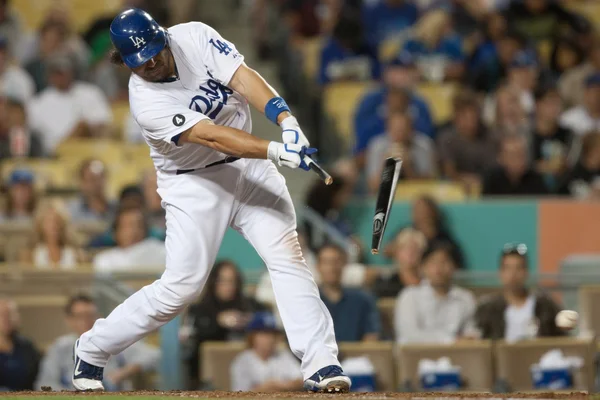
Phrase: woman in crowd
[53,246]
[21,199]
[221,314]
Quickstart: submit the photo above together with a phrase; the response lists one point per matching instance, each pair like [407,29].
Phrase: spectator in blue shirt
[437,48]
[399,78]
[354,312]
[387,18]
[345,56]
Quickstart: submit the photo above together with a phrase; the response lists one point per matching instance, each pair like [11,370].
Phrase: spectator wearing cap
[354,311]
[585,118]
[539,20]
[264,366]
[523,74]
[466,147]
[135,249]
[16,137]
[437,48]
[585,174]
[345,56]
[19,358]
[68,108]
[53,244]
[406,252]
[436,311]
[92,203]
[416,150]
[21,200]
[517,312]
[514,175]
[388,19]
[56,369]
[572,83]
[15,81]
[550,141]
[51,41]
[397,93]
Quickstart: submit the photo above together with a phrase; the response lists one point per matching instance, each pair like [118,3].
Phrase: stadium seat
[215,361]
[42,318]
[78,150]
[49,174]
[341,101]
[386,313]
[439,97]
[589,299]
[311,53]
[381,355]
[474,358]
[440,190]
[513,361]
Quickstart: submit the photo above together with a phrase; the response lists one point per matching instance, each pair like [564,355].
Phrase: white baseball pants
[251,196]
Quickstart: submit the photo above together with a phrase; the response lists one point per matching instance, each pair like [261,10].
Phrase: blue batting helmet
[137,37]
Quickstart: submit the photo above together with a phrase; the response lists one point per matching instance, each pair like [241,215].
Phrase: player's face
[157,68]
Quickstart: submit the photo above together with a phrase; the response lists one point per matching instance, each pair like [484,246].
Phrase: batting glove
[292,132]
[289,155]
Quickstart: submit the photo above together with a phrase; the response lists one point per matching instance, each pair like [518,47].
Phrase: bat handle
[318,170]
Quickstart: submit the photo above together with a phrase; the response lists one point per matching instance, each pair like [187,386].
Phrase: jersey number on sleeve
[212,102]
[223,47]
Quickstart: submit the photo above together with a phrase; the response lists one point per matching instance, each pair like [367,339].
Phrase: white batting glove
[292,132]
[289,155]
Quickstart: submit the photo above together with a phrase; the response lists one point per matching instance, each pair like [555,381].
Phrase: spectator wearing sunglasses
[517,312]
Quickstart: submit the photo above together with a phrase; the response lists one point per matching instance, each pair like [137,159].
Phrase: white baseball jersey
[205,64]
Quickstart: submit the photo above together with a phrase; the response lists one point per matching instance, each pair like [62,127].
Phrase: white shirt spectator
[579,121]
[41,258]
[249,371]
[519,321]
[16,83]
[56,113]
[422,316]
[148,255]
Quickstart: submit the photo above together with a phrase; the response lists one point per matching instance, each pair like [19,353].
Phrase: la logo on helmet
[137,41]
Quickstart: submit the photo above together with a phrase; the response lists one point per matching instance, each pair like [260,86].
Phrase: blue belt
[226,160]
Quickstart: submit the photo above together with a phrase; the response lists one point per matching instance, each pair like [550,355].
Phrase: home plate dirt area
[158,395]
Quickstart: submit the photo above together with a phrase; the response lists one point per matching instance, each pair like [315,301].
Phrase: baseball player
[190,92]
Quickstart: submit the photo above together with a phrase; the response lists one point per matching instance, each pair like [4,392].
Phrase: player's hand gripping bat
[385,199]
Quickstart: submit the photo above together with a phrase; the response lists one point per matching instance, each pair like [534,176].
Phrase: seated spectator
[435,311]
[523,75]
[518,312]
[345,56]
[19,359]
[428,218]
[572,82]
[68,108]
[16,139]
[550,140]
[387,19]
[437,49]
[222,313]
[585,118]
[56,369]
[504,113]
[92,203]
[397,93]
[11,26]
[50,41]
[539,20]
[514,175]
[153,205]
[264,366]
[579,180]
[21,200]
[135,250]
[15,81]
[465,147]
[354,312]
[54,245]
[567,54]
[407,249]
[416,150]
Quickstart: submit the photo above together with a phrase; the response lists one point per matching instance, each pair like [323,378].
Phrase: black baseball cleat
[330,379]
[86,377]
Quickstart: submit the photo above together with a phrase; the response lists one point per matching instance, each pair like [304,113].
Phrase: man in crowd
[92,203]
[134,247]
[354,312]
[585,117]
[516,313]
[57,366]
[514,175]
[435,311]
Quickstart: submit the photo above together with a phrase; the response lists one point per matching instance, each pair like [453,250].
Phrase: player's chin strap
[274,107]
